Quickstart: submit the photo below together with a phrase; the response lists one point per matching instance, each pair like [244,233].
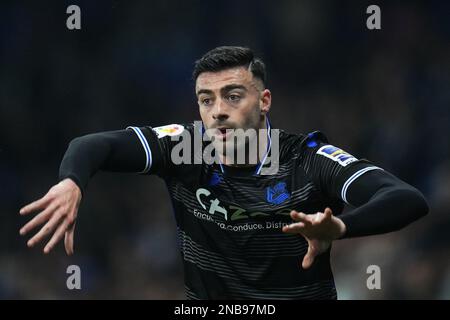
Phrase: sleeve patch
[169,130]
[336,154]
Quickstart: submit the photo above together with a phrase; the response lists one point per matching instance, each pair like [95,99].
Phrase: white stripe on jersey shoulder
[352,178]
[148,152]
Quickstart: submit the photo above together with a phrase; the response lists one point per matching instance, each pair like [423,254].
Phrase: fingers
[297,227]
[68,239]
[39,219]
[328,213]
[320,217]
[45,230]
[304,222]
[58,214]
[301,217]
[56,236]
[297,216]
[311,219]
[36,205]
[308,259]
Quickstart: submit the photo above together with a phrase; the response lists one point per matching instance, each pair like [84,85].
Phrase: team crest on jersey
[336,154]
[169,130]
[277,194]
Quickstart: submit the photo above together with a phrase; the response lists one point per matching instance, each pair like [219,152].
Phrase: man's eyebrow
[223,90]
[205,91]
[230,87]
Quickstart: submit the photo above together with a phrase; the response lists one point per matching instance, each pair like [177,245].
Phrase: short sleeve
[158,144]
[331,168]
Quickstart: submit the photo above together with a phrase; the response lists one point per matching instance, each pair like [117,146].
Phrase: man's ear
[265,101]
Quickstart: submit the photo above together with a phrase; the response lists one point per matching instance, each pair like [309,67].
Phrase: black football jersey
[229,218]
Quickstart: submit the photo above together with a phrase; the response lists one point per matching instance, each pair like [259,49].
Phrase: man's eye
[206,102]
[234,97]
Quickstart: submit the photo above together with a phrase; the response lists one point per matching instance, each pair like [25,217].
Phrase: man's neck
[261,149]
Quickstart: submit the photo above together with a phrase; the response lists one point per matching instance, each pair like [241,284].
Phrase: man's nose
[220,111]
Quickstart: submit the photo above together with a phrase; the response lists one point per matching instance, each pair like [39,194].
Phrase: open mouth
[223,133]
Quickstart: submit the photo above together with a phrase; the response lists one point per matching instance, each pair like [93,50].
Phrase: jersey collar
[269,146]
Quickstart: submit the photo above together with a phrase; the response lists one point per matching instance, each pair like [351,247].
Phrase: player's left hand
[318,229]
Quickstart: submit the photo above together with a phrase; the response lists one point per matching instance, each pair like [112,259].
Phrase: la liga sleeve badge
[168,130]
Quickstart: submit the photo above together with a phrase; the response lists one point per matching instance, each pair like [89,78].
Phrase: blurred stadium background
[382,95]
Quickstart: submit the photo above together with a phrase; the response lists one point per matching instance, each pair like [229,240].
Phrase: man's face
[231,99]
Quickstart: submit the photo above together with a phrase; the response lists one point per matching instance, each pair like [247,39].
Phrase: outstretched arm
[119,151]
[57,210]
[383,203]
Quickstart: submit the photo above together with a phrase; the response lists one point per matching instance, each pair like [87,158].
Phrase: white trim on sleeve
[353,177]
[148,152]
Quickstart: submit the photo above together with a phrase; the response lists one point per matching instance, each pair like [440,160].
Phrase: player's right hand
[58,210]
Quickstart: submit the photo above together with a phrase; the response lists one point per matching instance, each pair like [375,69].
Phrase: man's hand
[58,208]
[318,229]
